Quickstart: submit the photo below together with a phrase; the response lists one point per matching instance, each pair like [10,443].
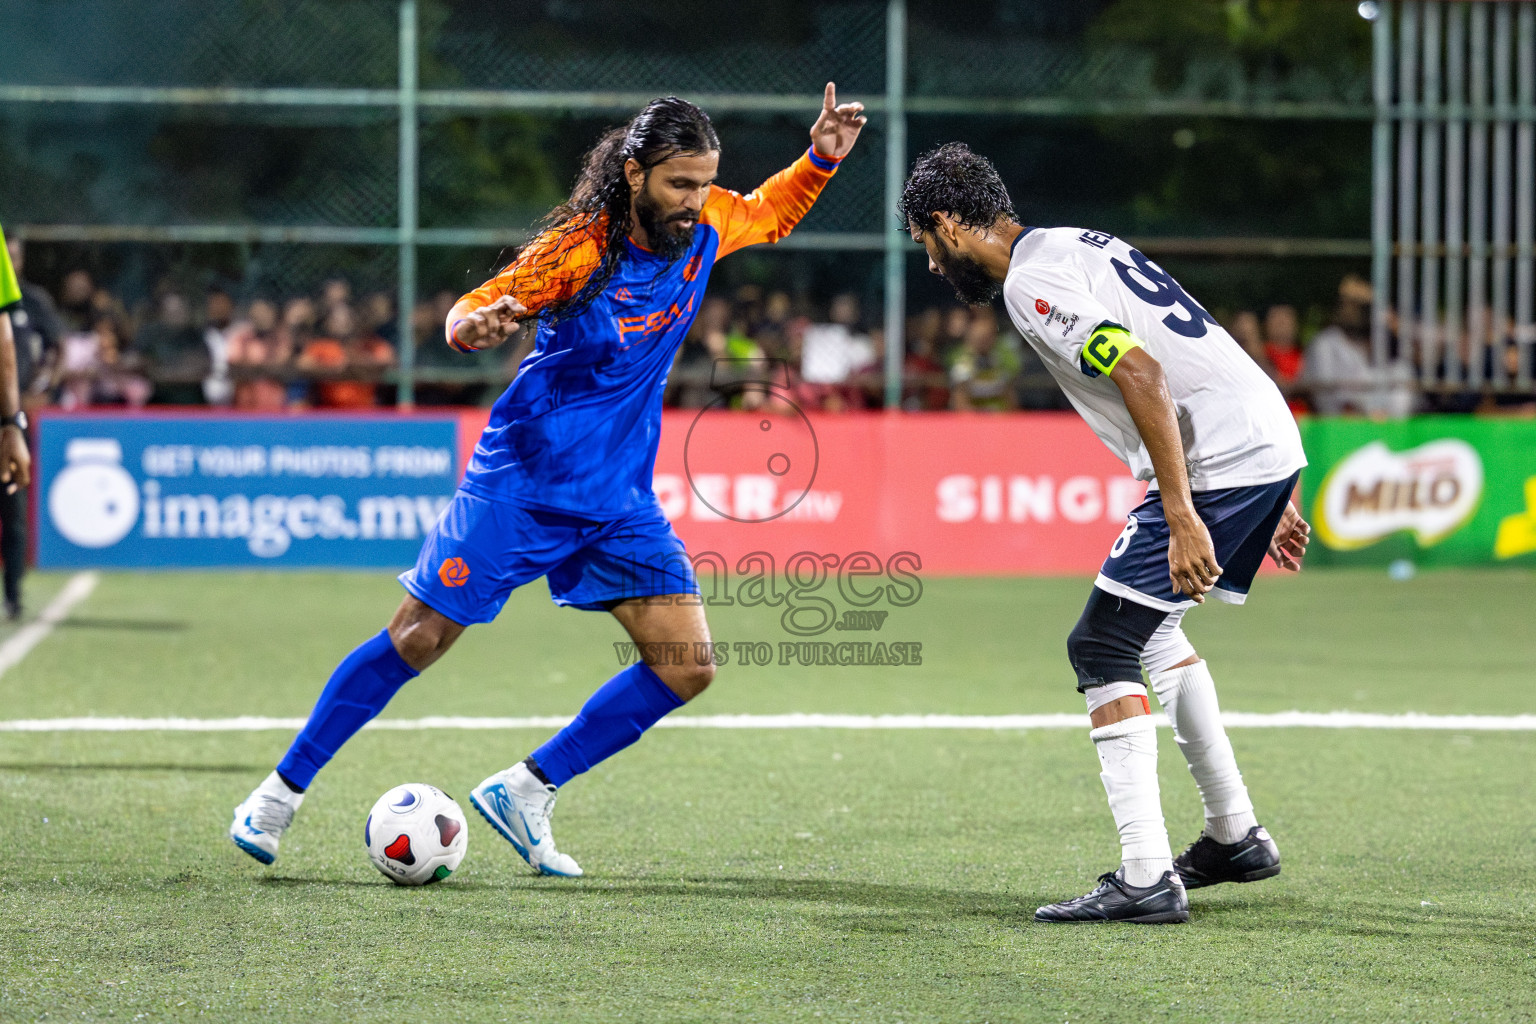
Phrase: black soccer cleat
[1208,862]
[1162,902]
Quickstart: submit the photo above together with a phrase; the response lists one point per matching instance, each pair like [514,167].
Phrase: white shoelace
[271,814]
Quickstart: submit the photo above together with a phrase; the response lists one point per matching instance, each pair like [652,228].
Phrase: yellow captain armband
[1106,346]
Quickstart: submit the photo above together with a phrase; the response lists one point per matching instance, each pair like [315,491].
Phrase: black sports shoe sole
[1169,917]
[1252,876]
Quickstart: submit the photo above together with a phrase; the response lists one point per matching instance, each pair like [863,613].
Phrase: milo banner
[1437,490]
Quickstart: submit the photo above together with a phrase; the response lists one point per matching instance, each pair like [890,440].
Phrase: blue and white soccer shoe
[260,820]
[518,806]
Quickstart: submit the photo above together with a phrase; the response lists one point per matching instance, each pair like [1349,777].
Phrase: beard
[965,274]
[669,239]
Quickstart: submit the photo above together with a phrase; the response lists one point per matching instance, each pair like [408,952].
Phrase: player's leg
[13,547]
[1233,846]
[1185,689]
[357,691]
[1105,649]
[454,582]
[640,572]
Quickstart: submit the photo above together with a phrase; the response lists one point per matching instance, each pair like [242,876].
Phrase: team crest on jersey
[454,572]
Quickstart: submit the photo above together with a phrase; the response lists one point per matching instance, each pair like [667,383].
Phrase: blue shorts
[481,550]
[1241,521]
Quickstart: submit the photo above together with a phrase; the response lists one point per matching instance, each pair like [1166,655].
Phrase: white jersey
[1065,283]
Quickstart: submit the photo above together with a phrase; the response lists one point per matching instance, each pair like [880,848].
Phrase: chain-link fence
[412,139]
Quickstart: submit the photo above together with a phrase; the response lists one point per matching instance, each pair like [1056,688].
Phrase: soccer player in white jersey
[1180,403]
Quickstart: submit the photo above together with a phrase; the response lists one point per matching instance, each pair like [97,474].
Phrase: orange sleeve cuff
[773,210]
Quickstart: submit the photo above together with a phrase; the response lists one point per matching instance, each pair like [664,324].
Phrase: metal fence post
[406,393]
[1525,197]
[1381,180]
[895,176]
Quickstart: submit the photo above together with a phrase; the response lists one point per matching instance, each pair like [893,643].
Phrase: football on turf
[416,834]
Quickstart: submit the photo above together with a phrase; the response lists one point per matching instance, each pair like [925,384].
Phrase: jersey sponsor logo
[454,572]
[624,295]
[691,271]
[1055,314]
[1432,490]
[1061,316]
[635,329]
[1156,287]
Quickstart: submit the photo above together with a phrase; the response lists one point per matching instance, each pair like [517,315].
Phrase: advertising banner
[961,493]
[192,489]
[1436,490]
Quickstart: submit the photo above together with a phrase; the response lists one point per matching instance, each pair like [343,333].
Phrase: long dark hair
[599,205]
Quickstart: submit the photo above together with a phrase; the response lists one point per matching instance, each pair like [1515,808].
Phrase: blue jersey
[578,428]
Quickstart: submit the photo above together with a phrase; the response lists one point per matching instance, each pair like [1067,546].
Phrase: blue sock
[359,688]
[612,718]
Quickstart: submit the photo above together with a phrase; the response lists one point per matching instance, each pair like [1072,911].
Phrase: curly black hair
[953,180]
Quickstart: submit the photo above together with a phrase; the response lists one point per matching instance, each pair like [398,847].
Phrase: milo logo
[1432,490]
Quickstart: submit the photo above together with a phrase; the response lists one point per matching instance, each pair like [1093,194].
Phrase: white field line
[1236,719]
[33,633]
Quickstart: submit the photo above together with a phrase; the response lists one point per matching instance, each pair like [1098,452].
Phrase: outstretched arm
[1191,556]
[549,270]
[772,211]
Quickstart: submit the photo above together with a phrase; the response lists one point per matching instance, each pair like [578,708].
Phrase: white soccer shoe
[518,806]
[260,820]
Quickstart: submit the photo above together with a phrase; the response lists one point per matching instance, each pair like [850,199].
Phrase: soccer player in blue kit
[560,482]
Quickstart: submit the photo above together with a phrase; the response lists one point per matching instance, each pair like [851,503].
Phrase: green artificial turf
[768,875]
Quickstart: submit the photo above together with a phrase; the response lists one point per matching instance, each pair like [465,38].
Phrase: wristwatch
[19,420]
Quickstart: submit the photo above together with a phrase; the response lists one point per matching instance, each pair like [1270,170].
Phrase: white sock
[1128,754]
[1188,695]
[274,786]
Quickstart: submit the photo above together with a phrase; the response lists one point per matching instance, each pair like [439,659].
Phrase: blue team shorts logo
[784,444]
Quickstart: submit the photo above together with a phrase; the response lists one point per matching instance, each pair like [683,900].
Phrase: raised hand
[837,129]
[1289,545]
[489,326]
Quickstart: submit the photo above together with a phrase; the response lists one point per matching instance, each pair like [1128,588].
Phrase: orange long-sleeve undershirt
[557,262]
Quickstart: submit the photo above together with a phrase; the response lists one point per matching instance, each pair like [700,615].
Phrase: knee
[1106,644]
[687,680]
[418,643]
[421,635]
[1168,648]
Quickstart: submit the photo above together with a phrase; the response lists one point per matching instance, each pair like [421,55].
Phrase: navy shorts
[481,550]
[1241,521]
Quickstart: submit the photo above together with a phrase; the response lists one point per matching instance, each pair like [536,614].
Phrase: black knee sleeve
[1106,644]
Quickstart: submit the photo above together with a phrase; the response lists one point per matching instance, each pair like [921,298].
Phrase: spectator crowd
[336,350]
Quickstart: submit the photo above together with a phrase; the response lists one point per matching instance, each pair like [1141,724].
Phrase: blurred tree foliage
[1146,176]
[1271,177]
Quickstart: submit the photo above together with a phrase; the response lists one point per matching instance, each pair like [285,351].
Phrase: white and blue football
[416,834]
